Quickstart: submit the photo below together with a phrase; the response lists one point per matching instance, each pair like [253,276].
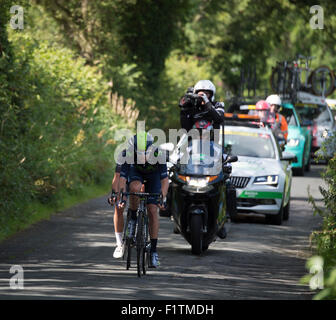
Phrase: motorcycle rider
[208,110]
[155,178]
[205,129]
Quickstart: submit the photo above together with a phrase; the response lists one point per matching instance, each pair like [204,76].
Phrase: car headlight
[293,142]
[269,180]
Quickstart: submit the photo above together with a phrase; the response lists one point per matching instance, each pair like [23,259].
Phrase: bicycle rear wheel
[128,250]
[146,254]
[127,242]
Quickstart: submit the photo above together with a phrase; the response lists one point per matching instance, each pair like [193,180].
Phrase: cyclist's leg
[135,185]
[118,219]
[153,185]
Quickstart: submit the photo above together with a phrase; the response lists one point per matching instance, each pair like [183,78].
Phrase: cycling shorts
[151,180]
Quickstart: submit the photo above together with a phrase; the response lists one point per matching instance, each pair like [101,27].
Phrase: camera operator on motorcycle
[199,104]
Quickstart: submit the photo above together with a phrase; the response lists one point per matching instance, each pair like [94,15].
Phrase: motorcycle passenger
[209,109]
[154,176]
[280,121]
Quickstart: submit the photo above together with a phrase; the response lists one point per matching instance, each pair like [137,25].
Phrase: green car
[299,140]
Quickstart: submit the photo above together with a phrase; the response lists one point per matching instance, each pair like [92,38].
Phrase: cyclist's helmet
[205,85]
[262,105]
[143,146]
[142,141]
[274,99]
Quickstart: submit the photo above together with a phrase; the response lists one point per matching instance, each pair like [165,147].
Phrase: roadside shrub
[324,240]
[60,136]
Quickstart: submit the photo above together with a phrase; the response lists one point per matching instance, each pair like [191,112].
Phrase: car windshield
[249,144]
[314,112]
[290,117]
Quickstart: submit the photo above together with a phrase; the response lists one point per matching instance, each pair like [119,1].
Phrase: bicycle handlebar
[141,194]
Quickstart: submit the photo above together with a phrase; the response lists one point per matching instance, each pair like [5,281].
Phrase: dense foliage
[57,124]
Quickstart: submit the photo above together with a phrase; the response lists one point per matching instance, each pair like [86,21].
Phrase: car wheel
[277,218]
[286,211]
[307,166]
[300,171]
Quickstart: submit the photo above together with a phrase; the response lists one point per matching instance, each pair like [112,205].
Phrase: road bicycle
[140,239]
[280,76]
[303,64]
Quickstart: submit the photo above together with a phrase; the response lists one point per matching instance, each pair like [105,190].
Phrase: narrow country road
[70,257]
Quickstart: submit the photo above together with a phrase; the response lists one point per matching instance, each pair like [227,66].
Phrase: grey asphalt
[70,257]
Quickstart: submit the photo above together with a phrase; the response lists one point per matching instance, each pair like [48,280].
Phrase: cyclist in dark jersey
[145,165]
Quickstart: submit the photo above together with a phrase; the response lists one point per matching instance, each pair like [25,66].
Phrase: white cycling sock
[118,236]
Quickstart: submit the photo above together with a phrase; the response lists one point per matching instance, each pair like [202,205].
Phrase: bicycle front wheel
[322,81]
[140,243]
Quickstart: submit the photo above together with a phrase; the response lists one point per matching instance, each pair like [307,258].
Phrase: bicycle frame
[142,232]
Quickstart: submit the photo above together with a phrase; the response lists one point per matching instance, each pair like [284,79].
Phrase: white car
[263,174]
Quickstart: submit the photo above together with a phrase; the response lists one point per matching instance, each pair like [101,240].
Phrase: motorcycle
[198,196]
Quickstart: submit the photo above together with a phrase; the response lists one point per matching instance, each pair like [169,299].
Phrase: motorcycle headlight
[269,180]
[197,181]
[293,142]
[197,184]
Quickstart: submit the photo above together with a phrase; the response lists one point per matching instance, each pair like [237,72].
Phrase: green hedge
[56,129]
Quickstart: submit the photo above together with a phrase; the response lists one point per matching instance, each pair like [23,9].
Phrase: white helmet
[274,99]
[205,85]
